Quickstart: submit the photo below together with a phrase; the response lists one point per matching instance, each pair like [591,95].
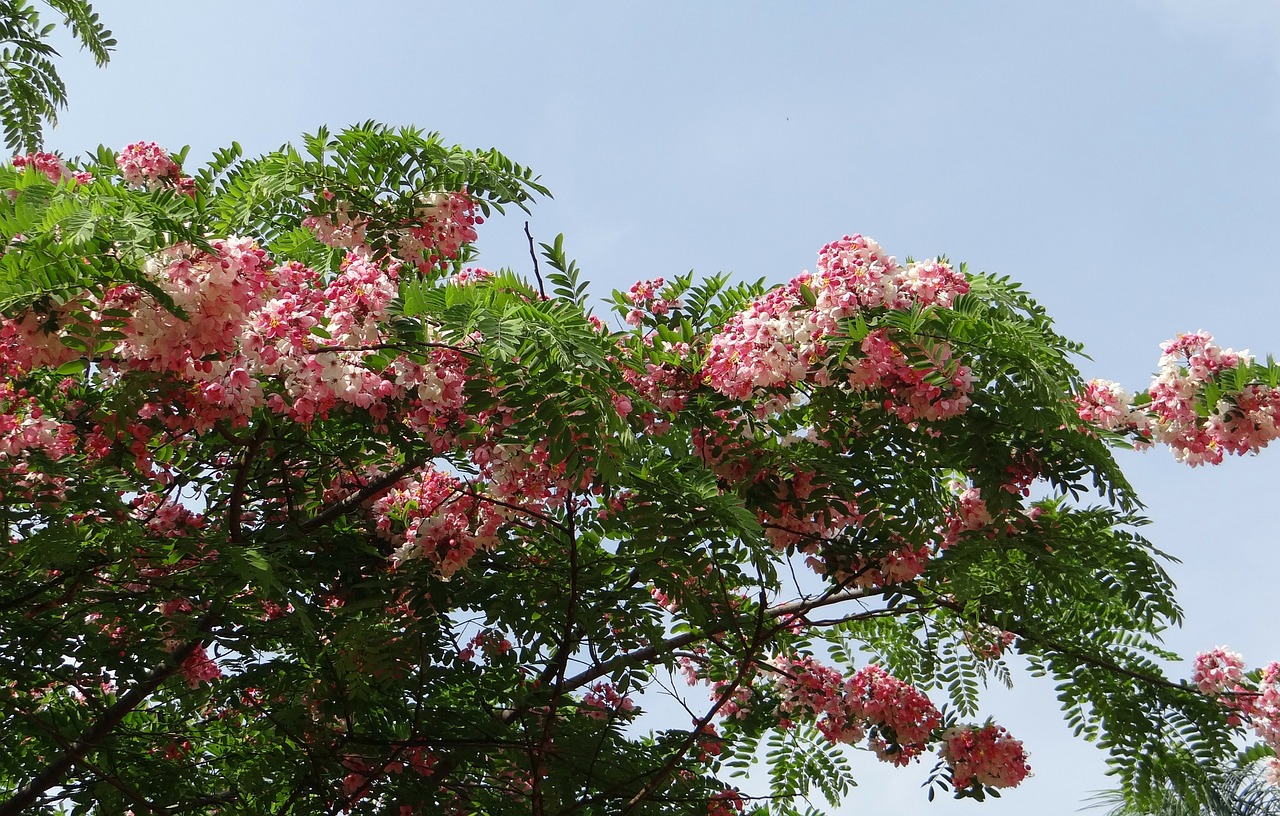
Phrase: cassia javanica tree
[305,513]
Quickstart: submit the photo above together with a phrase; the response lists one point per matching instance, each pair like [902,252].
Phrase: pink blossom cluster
[53,167]
[970,513]
[363,773]
[341,228]
[1219,672]
[905,563]
[472,274]
[32,341]
[166,517]
[431,516]
[198,668]
[727,802]
[808,520]
[443,223]
[984,756]
[898,718]
[781,340]
[988,642]
[524,476]
[736,702]
[1108,406]
[147,165]
[602,701]
[665,385]
[646,296]
[256,334]
[25,428]
[488,642]
[1243,420]
[249,320]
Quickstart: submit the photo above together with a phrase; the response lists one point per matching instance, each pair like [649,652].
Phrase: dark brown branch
[372,489]
[537,273]
[791,610]
[235,532]
[661,776]
[568,644]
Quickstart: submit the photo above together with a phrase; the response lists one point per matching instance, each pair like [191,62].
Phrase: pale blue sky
[1120,157]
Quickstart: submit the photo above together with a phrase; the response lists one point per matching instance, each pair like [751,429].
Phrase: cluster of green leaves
[69,240]
[31,92]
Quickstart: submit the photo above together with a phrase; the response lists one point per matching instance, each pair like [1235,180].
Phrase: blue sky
[1119,157]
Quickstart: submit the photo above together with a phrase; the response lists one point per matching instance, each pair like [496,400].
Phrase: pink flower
[146,164]
[1217,670]
[984,756]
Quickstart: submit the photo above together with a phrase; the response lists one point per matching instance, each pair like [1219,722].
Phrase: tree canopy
[306,513]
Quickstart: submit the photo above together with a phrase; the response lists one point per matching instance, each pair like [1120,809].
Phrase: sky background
[1121,158]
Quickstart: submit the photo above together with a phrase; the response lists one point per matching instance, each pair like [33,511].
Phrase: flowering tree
[304,513]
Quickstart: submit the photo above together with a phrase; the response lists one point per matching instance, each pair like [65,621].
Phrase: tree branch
[542,289]
[235,533]
[373,488]
[793,609]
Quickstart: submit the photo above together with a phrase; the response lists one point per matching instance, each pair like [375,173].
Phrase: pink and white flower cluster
[897,718]
[1219,672]
[1243,420]
[248,320]
[431,516]
[53,167]
[443,223]
[149,166]
[341,228]
[970,513]
[1109,406]
[984,756]
[24,428]
[781,340]
[603,701]
[646,296]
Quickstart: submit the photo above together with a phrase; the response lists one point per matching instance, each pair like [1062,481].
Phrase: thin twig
[537,273]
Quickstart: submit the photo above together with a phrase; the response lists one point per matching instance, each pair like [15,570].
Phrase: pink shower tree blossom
[306,512]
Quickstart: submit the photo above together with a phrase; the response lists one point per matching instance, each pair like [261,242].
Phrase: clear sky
[1119,157]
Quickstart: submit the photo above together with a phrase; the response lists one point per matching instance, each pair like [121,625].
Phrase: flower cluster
[984,756]
[1175,410]
[1220,673]
[443,223]
[198,668]
[897,718]
[725,803]
[646,296]
[432,516]
[147,165]
[784,336]
[970,513]
[341,228]
[603,701]
[53,167]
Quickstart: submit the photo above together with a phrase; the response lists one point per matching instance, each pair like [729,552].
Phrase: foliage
[1239,791]
[31,92]
[326,519]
